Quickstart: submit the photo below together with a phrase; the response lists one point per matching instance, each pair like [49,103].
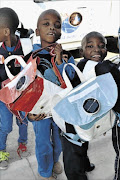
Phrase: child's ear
[37,32]
[81,52]
[6,31]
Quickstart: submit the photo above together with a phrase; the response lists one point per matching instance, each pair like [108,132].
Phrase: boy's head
[49,27]
[94,46]
[9,22]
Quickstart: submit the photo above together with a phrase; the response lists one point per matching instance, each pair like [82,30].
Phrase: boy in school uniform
[10,45]
[94,51]
[48,144]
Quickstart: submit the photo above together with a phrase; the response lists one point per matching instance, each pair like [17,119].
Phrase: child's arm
[60,61]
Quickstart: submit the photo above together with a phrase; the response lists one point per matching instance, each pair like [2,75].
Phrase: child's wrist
[58,61]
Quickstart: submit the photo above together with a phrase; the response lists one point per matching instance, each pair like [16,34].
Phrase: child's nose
[52,27]
[96,48]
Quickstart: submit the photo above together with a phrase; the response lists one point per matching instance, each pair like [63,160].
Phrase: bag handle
[8,59]
[51,48]
[20,60]
[79,73]
[57,72]
[34,54]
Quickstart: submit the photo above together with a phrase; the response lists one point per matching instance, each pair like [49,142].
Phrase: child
[11,45]
[48,144]
[94,50]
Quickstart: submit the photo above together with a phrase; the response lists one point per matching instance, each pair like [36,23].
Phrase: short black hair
[49,11]
[9,19]
[92,34]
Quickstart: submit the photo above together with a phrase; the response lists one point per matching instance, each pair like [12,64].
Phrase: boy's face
[95,49]
[49,29]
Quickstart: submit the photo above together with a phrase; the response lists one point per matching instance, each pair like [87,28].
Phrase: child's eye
[102,46]
[57,25]
[46,24]
[89,46]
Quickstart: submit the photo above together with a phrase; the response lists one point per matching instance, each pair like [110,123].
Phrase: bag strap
[57,72]
[17,113]
[89,69]
[8,59]
[73,138]
[35,53]
[27,48]
[79,73]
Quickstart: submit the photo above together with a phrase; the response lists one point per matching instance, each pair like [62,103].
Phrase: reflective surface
[75,19]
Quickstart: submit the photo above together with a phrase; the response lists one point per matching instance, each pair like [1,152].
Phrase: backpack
[87,107]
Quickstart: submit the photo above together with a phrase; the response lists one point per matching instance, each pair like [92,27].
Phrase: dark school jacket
[13,65]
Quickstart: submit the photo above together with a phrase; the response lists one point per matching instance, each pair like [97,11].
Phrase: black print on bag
[91,106]
[21,85]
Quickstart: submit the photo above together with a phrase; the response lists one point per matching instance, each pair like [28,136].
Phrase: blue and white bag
[88,106]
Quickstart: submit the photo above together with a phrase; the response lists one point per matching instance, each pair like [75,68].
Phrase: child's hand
[36,117]
[65,57]
[58,51]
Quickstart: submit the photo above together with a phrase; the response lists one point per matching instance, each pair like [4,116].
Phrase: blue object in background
[67,28]
[71,23]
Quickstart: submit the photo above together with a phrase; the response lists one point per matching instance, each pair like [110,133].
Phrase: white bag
[10,90]
[33,95]
[43,104]
[87,107]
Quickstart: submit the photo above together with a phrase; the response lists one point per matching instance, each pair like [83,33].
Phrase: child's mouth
[51,34]
[96,56]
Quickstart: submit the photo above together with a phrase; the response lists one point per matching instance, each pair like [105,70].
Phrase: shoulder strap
[78,72]
[89,69]
[57,73]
